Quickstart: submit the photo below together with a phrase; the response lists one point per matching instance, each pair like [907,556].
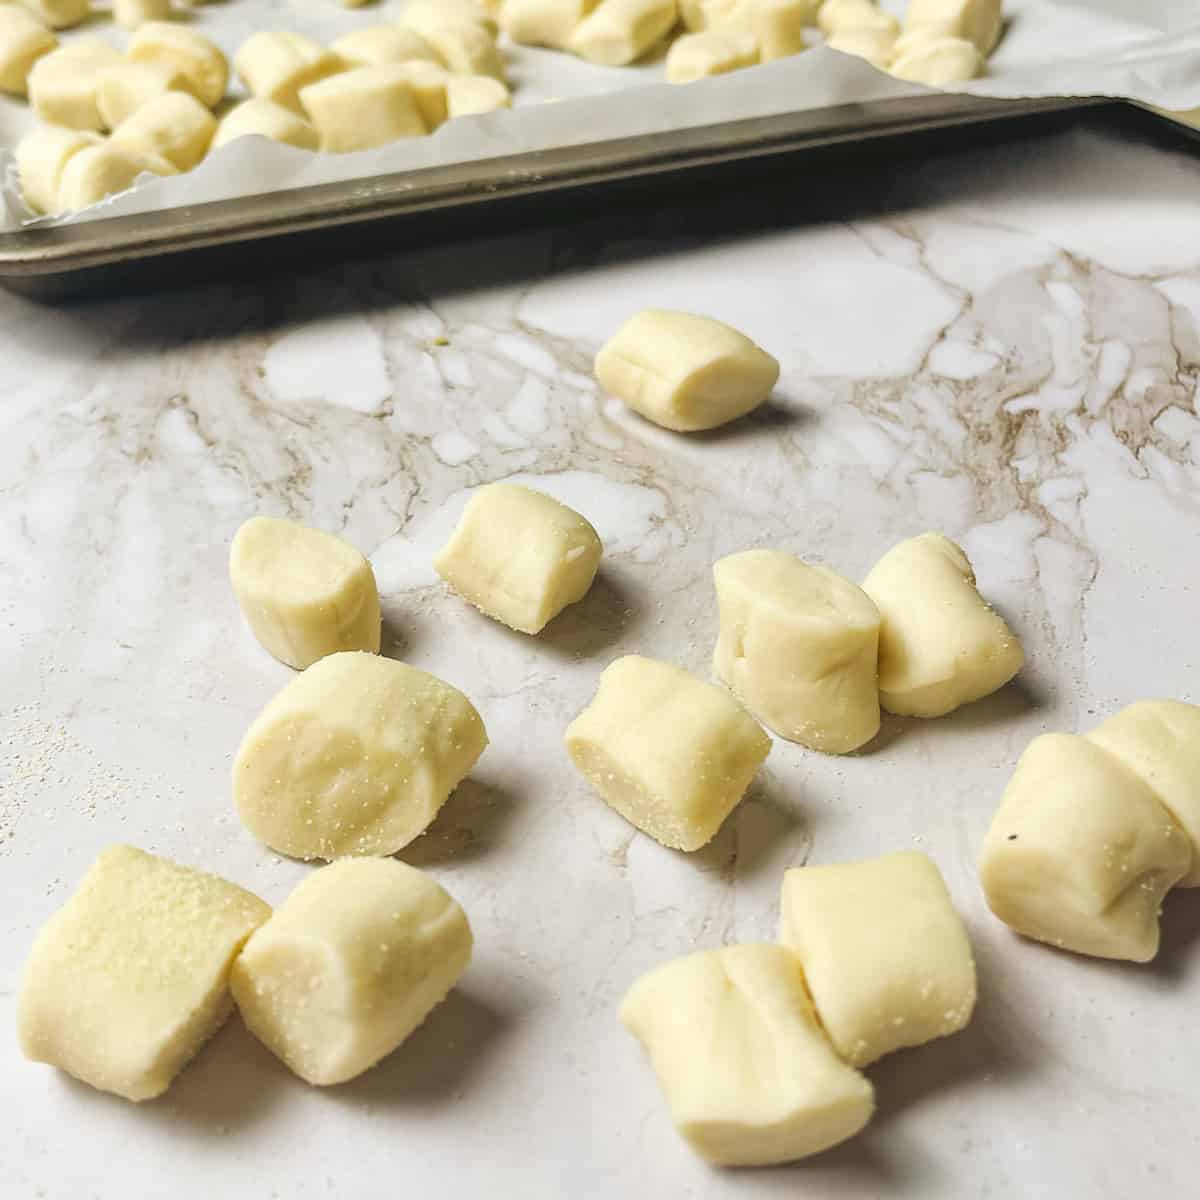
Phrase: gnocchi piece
[877,46]
[129,14]
[543,22]
[940,645]
[378,44]
[837,16]
[198,59]
[23,40]
[349,965]
[103,170]
[520,556]
[672,754]
[618,32]
[1159,740]
[469,95]
[739,1053]
[685,372]
[305,593]
[714,52]
[275,66]
[1081,852]
[63,84]
[363,108]
[465,46]
[937,61]
[125,87]
[978,21]
[798,647]
[174,126]
[127,981]
[58,14]
[433,14]
[886,957]
[428,83]
[355,756]
[778,27]
[42,156]
[265,118]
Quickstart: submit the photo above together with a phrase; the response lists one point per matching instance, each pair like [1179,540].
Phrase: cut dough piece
[940,645]
[175,126]
[427,82]
[63,84]
[424,15]
[352,962]
[198,59]
[354,757]
[379,44]
[42,156]
[739,1053]
[305,593]
[798,647]
[877,46]
[714,52]
[363,108]
[684,372]
[469,95]
[103,170]
[837,16]
[1081,852]
[58,14]
[978,21]
[618,32]
[23,40]
[778,27]
[672,754]
[1159,740]
[520,556]
[543,22]
[129,14]
[265,118]
[886,957]
[275,66]
[937,62]
[466,46]
[127,981]
[125,87]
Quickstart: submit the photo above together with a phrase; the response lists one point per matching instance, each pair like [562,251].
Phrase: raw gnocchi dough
[685,372]
[520,556]
[798,647]
[102,170]
[265,118]
[1081,852]
[42,156]
[175,126]
[839,16]
[198,59]
[978,21]
[349,965]
[618,32]
[355,756]
[713,52]
[275,66]
[125,87]
[543,22]
[23,40]
[363,108]
[129,14]
[379,44]
[877,46]
[63,84]
[940,645]
[304,593]
[672,754]
[470,95]
[937,61]
[739,1053]
[58,14]
[128,980]
[885,955]
[778,27]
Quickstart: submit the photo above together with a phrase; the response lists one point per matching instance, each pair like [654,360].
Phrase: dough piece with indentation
[130,978]
[940,645]
[103,170]
[713,52]
[265,118]
[618,32]
[63,84]
[1081,852]
[378,44]
[748,1074]
[936,61]
[130,14]
[42,156]
[978,21]
[885,954]
[305,593]
[838,16]
[685,372]
[672,754]
[349,965]
[798,646]
[275,66]
[198,59]
[125,87]
[23,40]
[175,126]
[363,108]
[355,756]
[543,22]
[470,95]
[58,14]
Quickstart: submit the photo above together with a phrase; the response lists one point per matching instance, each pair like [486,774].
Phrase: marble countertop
[1002,343]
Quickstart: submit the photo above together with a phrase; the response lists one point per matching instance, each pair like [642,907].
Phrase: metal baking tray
[259,232]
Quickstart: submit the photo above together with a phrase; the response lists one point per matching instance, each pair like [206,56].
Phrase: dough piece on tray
[23,40]
[466,45]
[424,15]
[936,61]
[42,156]
[129,14]
[63,84]
[469,95]
[838,16]
[363,108]
[877,46]
[379,44]
[543,22]
[713,52]
[265,118]
[58,14]
[198,59]
[126,86]
[175,126]
[978,21]
[778,27]
[275,66]
[103,170]
[618,32]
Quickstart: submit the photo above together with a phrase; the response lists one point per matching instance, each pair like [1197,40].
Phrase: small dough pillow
[23,40]
[194,56]
[378,44]
[355,756]
[520,556]
[42,156]
[363,108]
[672,754]
[798,647]
[978,21]
[685,372]
[63,84]
[618,32]
[175,126]
[936,61]
[128,980]
[275,66]
[713,52]
[886,957]
[304,593]
[352,962]
[739,1052]
[839,16]
[265,118]
[1081,852]
[940,645]
[543,22]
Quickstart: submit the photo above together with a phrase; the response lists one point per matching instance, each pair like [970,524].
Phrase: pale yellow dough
[363,108]
[520,556]
[466,44]
[685,372]
[877,46]
[128,980]
[379,44]
[713,52]
[936,61]
[304,593]
[23,40]
[42,156]
[940,645]
[470,95]
[778,26]
[978,21]
[739,1053]
[351,963]
[58,14]
[838,16]
[672,754]
[265,118]
[886,957]
[354,757]
[198,59]
[543,22]
[275,66]
[102,170]
[63,84]
[798,647]
[618,32]
[125,87]
[175,126]
[1081,852]
[129,14]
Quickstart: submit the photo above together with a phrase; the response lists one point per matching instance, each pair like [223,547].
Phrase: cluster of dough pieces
[111,117]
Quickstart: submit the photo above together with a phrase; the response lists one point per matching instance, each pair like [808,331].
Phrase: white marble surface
[1001,344]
